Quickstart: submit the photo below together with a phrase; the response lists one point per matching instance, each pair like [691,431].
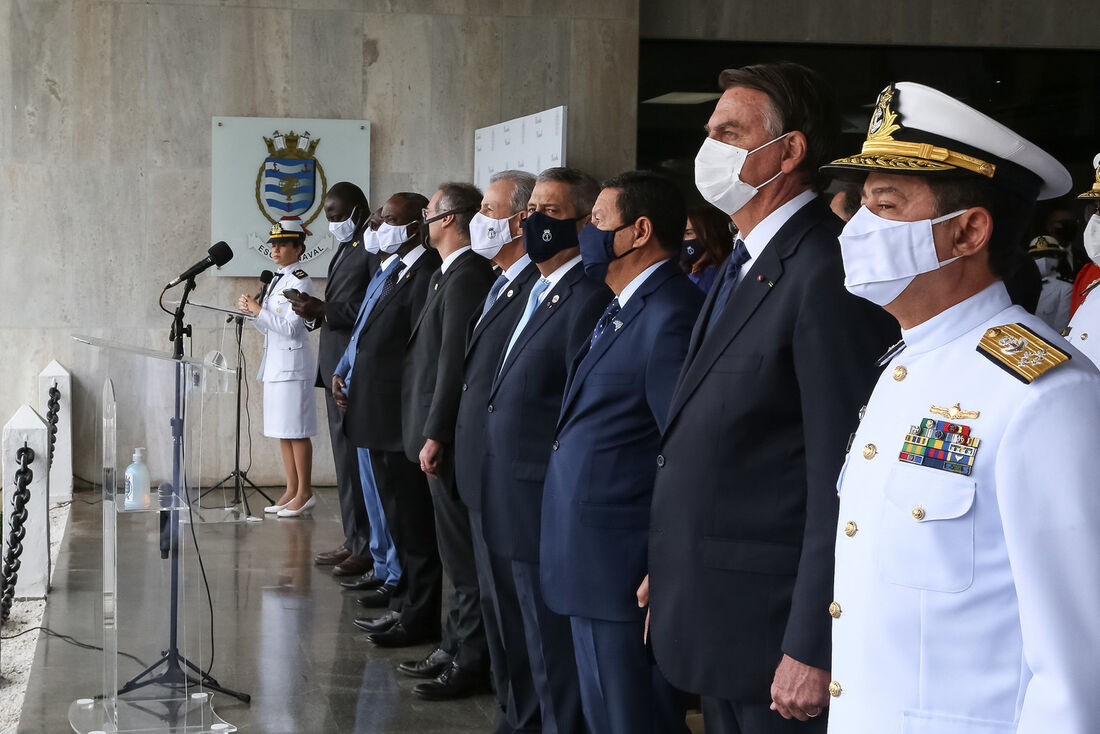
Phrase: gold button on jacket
[850,528]
[869,451]
[918,513]
[835,689]
[900,372]
[834,610]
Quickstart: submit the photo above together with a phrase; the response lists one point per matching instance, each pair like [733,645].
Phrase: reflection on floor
[282,627]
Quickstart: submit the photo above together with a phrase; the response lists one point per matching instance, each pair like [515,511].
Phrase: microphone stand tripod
[175,664]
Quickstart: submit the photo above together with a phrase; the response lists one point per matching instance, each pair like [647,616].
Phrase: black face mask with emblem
[544,236]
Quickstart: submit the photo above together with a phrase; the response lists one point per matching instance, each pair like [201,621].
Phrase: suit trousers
[550,650]
[503,619]
[463,625]
[622,690]
[407,504]
[382,548]
[353,513]
[733,717]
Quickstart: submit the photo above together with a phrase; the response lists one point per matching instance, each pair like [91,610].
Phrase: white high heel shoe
[303,510]
[273,509]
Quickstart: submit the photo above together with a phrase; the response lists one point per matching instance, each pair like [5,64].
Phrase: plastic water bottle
[137,483]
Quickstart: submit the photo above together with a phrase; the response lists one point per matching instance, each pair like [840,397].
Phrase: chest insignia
[940,445]
[299,273]
[955,412]
[1020,351]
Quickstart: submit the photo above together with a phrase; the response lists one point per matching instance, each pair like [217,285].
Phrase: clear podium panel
[156,665]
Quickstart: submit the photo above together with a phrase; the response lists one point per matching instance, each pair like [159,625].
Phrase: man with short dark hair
[781,358]
[965,595]
[429,404]
[524,400]
[599,482]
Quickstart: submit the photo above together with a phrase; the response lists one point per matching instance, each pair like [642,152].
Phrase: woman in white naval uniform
[288,368]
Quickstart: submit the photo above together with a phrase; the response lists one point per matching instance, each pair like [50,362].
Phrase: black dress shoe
[366,582]
[398,636]
[332,557]
[377,598]
[430,667]
[378,624]
[453,682]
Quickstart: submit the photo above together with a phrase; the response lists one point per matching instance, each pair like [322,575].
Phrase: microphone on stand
[219,254]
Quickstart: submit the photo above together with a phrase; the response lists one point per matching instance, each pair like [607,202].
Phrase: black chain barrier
[23,477]
[53,407]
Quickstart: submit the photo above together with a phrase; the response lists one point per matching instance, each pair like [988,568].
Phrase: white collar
[451,258]
[412,256]
[557,275]
[517,267]
[387,262]
[635,284]
[756,240]
[951,323]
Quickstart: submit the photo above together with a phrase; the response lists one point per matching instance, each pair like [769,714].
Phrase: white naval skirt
[290,409]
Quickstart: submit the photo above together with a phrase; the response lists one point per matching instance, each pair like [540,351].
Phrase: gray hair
[584,187]
[523,183]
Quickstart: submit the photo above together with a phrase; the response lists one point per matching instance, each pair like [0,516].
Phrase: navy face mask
[690,253]
[598,250]
[545,236]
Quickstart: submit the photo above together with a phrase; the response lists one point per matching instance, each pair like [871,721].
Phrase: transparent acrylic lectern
[157,654]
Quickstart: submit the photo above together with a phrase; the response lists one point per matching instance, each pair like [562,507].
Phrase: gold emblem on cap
[883,120]
[1094,192]
[955,412]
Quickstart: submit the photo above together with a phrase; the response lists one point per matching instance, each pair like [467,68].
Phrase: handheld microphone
[219,254]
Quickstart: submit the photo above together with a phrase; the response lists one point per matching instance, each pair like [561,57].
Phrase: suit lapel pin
[355,244]
[509,293]
[617,324]
[437,286]
[762,279]
[555,299]
[408,275]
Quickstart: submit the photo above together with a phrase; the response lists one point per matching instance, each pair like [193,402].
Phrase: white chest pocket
[927,538]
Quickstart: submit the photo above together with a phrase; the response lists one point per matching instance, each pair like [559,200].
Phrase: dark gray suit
[349,271]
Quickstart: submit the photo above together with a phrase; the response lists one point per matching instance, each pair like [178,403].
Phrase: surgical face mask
[690,252]
[598,250]
[718,174]
[883,256]
[488,235]
[545,236]
[370,240]
[345,230]
[390,238]
[1047,266]
[1092,238]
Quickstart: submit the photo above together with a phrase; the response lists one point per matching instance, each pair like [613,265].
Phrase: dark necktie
[494,292]
[609,313]
[271,286]
[391,280]
[732,276]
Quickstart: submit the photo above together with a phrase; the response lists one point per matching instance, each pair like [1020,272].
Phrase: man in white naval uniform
[1083,331]
[967,582]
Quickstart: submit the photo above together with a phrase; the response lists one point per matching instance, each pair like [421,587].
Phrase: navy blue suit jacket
[524,404]
[744,504]
[596,503]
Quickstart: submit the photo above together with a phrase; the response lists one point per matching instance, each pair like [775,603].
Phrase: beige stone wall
[1022,23]
[105,114]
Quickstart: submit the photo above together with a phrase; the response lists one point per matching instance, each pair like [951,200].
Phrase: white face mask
[1092,238]
[345,230]
[370,241]
[718,174]
[882,256]
[488,235]
[1046,265]
[390,238]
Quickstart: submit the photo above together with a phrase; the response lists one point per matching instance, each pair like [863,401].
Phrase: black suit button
[490,407]
[660,460]
[555,446]
[464,387]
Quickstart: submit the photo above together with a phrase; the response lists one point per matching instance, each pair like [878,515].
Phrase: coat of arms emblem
[291,182]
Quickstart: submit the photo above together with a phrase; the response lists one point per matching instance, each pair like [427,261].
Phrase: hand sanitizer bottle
[137,483]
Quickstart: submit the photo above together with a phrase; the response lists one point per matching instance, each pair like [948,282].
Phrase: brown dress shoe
[332,557]
[353,566]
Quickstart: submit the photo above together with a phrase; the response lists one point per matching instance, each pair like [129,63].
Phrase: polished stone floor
[282,630]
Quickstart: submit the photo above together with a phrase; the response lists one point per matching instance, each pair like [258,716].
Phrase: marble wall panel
[535,64]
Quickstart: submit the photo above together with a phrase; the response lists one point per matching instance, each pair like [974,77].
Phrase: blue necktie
[736,261]
[532,303]
[612,311]
[494,292]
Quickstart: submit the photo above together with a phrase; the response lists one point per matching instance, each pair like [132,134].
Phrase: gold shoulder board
[1020,351]
[300,273]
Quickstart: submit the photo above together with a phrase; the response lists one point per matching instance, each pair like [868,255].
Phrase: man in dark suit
[524,401]
[349,271]
[496,233]
[429,401]
[374,422]
[599,483]
[780,361]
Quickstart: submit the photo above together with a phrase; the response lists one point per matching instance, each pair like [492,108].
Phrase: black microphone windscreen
[266,276]
[220,253]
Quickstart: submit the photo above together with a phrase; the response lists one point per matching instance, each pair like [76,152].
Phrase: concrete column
[27,428]
[61,468]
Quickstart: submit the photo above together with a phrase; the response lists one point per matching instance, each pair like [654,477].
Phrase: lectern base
[192,715]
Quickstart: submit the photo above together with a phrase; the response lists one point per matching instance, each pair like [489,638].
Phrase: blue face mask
[544,236]
[598,250]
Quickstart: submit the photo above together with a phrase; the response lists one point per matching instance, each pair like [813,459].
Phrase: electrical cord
[202,570]
[72,641]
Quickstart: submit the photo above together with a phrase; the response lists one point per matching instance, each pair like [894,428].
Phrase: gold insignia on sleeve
[955,412]
[299,273]
[1020,351]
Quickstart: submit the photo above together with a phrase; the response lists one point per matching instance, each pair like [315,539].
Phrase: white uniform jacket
[287,352]
[967,598]
[1084,331]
